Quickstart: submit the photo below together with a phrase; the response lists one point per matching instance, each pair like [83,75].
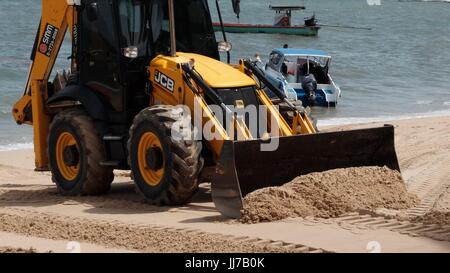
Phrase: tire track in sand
[141,238]
[425,164]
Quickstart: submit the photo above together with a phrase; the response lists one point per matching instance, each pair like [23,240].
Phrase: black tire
[182,161]
[72,79]
[287,113]
[92,178]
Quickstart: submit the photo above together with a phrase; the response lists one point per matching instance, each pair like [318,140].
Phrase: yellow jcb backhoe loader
[131,101]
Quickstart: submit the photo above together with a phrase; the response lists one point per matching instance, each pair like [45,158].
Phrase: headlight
[131,52]
[224,46]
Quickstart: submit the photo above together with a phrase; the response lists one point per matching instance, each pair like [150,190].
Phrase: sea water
[399,69]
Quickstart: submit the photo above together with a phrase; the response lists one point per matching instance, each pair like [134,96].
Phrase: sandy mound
[329,194]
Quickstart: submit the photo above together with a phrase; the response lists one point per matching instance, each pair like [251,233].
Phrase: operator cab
[118,39]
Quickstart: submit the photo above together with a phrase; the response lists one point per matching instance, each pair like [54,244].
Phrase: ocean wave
[424,102]
[354,120]
[4,113]
[16,146]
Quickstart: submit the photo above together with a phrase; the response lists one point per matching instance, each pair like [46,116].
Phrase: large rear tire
[75,153]
[165,168]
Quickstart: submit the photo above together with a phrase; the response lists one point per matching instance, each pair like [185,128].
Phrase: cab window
[135,25]
[274,60]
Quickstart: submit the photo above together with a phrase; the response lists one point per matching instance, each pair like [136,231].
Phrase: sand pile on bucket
[329,194]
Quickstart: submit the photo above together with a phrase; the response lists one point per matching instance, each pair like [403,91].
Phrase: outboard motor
[311,21]
[309,85]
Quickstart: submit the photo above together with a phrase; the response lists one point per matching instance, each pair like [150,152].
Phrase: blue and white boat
[303,74]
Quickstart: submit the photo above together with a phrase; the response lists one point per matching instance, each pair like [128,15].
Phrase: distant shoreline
[323,124]
[381,118]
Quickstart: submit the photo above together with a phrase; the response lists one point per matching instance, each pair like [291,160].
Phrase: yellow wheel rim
[152,177]
[66,140]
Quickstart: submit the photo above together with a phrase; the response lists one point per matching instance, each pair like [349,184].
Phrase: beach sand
[29,206]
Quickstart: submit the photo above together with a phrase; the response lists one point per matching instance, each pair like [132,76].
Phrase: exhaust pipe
[173,39]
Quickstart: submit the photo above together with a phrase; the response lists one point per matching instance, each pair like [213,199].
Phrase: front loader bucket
[244,168]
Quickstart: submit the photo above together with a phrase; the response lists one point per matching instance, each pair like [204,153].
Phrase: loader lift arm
[302,123]
[57,17]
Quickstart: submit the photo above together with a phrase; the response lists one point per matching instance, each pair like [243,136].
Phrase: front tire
[75,153]
[165,168]
[288,114]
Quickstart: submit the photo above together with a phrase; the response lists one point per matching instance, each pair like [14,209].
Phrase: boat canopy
[302,52]
[283,8]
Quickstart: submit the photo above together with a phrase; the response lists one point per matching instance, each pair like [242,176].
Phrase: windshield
[193,27]
[322,61]
[135,25]
[145,24]
[294,68]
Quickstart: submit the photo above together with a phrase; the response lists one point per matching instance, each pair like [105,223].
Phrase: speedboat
[303,74]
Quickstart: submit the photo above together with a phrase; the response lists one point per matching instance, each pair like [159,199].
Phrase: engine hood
[217,74]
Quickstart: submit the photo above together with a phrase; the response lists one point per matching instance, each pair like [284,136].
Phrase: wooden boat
[247,28]
[282,25]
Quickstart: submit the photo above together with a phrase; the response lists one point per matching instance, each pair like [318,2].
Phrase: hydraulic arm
[57,17]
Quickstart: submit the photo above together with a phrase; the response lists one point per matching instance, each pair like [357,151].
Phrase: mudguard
[90,101]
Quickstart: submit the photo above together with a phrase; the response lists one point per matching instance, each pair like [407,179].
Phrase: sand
[329,194]
[423,148]
[113,234]
[440,212]
[16,250]
[435,218]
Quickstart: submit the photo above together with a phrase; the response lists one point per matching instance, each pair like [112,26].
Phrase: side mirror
[92,11]
[224,46]
[236,7]
[130,52]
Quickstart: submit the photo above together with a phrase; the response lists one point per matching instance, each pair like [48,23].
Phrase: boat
[303,74]
[282,24]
